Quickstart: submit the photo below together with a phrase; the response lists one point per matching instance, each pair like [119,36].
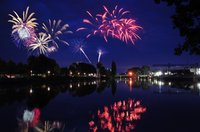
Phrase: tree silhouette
[11,67]
[81,69]
[42,64]
[145,70]
[102,70]
[187,20]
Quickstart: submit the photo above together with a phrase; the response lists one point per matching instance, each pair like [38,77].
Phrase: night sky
[156,47]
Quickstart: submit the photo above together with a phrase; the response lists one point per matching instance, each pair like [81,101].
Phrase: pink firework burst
[94,22]
[113,24]
[116,25]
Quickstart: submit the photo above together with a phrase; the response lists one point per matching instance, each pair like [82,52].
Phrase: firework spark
[78,43]
[23,29]
[94,22]
[55,29]
[52,49]
[40,46]
[113,24]
[81,49]
[100,52]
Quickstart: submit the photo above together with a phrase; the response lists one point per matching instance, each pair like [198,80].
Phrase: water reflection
[40,95]
[165,87]
[120,116]
[30,121]
[32,94]
[131,83]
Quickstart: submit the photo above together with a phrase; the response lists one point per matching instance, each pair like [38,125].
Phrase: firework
[55,29]
[40,46]
[113,24]
[123,28]
[94,22]
[23,29]
[99,55]
[51,49]
[79,47]
[118,26]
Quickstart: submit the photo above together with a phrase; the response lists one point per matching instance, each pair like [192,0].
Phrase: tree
[42,65]
[81,69]
[145,70]
[21,68]
[113,68]
[11,67]
[102,70]
[187,20]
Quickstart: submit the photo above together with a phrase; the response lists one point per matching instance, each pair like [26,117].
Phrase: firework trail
[78,44]
[99,55]
[23,29]
[113,24]
[40,46]
[81,49]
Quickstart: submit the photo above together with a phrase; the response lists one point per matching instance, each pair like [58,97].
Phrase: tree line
[40,64]
[44,65]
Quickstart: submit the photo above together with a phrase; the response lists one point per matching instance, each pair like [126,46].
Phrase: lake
[120,105]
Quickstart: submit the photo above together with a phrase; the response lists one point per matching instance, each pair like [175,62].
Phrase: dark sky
[156,47]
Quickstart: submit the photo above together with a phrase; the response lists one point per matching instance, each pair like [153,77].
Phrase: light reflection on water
[120,116]
[30,121]
[75,101]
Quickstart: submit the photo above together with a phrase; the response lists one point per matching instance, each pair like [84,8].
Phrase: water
[167,106]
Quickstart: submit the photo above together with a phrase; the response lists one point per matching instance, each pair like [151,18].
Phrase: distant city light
[158,73]
[160,83]
[70,72]
[31,91]
[198,71]
[48,88]
[198,86]
[70,86]
[130,74]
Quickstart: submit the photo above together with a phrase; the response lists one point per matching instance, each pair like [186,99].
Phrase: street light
[130,74]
